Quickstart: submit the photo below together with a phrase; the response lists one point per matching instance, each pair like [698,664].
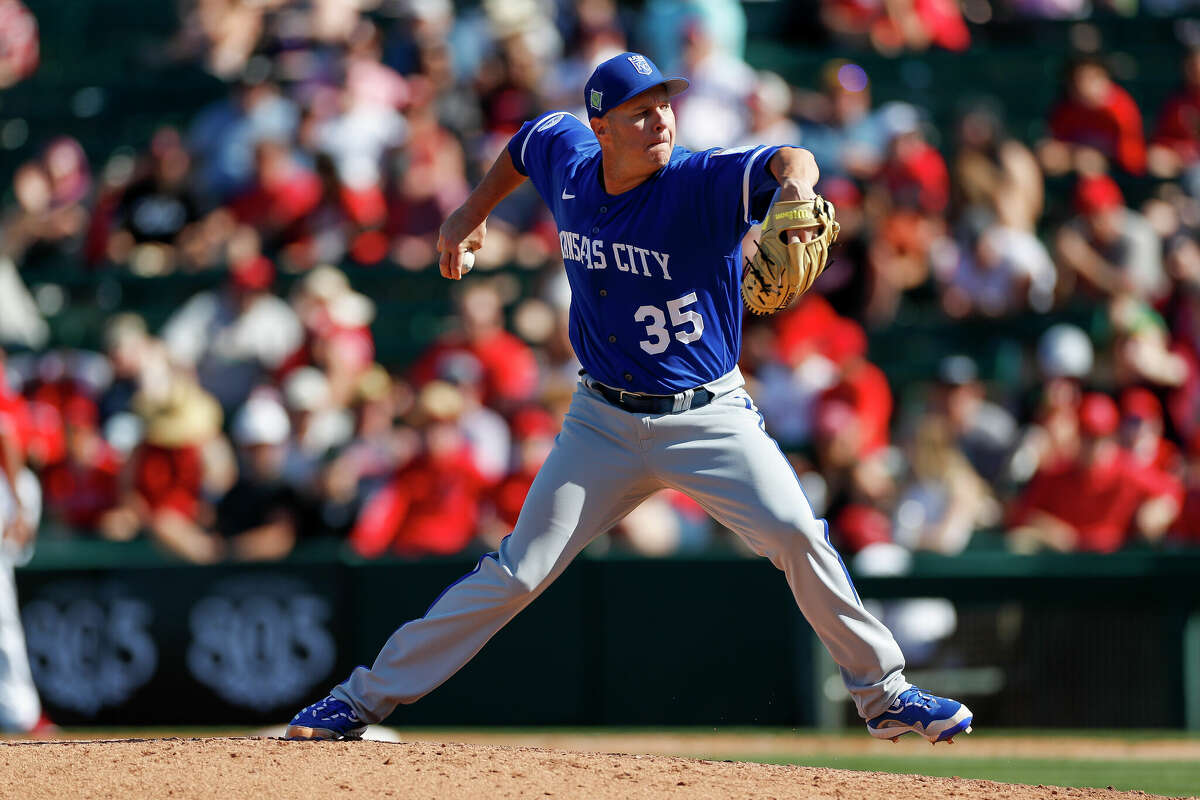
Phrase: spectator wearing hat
[1064,359]
[259,519]
[337,335]
[1098,501]
[914,173]
[1111,248]
[344,348]
[318,428]
[1141,346]
[431,505]
[1141,431]
[126,342]
[236,335]
[1094,113]
[180,422]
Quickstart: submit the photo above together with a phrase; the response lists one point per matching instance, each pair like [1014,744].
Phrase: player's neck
[616,180]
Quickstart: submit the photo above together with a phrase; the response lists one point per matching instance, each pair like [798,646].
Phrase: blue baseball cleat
[938,719]
[326,719]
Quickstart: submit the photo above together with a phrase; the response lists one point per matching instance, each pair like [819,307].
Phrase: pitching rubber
[300,732]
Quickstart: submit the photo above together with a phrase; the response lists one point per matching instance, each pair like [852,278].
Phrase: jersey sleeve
[543,143]
[739,188]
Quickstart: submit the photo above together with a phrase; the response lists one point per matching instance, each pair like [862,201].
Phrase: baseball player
[650,237]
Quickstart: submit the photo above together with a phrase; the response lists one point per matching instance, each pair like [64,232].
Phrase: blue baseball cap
[622,77]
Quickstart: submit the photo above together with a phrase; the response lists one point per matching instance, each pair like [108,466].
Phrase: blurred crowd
[255,417]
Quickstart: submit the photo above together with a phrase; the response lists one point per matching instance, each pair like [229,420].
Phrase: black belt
[653,403]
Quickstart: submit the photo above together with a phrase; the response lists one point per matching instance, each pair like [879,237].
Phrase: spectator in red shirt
[281,194]
[431,505]
[1176,144]
[509,367]
[1094,113]
[864,388]
[1096,502]
[168,467]
[915,173]
[1142,431]
[82,490]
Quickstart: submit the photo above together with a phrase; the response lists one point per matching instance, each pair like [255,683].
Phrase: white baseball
[468,261]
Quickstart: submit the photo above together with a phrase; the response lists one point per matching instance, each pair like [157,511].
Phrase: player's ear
[599,126]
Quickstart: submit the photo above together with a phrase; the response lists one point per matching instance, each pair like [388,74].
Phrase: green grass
[1171,778]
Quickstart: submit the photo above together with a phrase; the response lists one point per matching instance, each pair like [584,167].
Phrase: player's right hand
[458,235]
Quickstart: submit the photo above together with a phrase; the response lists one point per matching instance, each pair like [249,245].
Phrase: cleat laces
[915,697]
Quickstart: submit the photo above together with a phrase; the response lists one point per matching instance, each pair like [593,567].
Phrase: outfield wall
[120,636]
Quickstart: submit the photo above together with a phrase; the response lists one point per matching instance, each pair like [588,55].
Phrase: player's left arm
[797,173]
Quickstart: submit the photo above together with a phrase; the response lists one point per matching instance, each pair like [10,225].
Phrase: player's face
[641,131]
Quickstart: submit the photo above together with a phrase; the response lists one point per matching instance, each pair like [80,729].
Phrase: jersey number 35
[656,324]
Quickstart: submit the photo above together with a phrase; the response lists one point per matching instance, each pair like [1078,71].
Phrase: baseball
[468,261]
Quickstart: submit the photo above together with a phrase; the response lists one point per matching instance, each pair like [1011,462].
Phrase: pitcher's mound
[269,768]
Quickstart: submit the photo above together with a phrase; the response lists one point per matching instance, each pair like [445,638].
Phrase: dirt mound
[270,768]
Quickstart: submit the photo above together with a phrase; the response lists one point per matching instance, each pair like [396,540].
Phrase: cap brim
[677,86]
[674,86]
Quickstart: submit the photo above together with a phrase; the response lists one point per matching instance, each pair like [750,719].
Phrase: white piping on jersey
[745,178]
[536,124]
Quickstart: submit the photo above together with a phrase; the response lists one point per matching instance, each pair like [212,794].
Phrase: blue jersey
[655,272]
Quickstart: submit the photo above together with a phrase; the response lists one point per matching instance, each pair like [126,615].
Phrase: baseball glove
[781,270]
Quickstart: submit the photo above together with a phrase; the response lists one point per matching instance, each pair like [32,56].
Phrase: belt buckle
[621,396]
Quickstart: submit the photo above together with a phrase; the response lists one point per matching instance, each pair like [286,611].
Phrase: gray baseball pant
[604,463]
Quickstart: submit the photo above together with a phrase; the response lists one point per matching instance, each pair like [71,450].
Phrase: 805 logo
[261,642]
[89,645]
